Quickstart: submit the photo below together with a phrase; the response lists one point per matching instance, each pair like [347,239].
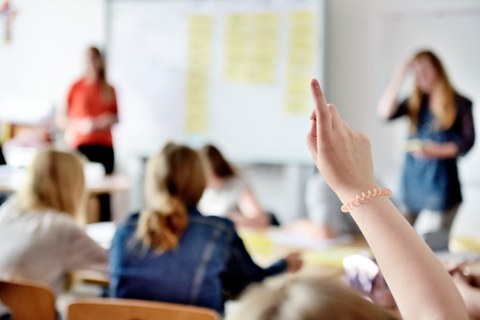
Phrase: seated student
[2,158]
[421,286]
[467,279]
[3,195]
[40,238]
[171,252]
[228,194]
[324,217]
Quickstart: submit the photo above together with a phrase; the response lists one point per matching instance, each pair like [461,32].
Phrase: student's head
[215,163]
[174,184]
[431,79]
[55,181]
[303,298]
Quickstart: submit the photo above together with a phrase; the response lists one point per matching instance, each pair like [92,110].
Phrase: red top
[85,101]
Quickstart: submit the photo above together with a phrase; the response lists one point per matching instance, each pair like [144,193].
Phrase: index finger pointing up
[324,125]
[320,100]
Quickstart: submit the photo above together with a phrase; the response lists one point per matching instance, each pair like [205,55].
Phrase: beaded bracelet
[364,197]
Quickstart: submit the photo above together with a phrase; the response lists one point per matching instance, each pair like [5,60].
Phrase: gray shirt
[44,246]
[323,207]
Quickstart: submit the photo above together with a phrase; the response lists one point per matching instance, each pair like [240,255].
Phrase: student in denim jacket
[171,252]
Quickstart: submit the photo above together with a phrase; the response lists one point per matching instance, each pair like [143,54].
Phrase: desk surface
[265,247]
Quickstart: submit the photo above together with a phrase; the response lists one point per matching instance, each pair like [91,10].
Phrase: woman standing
[91,113]
[441,130]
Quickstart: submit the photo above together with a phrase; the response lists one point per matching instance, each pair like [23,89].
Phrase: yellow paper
[196,84]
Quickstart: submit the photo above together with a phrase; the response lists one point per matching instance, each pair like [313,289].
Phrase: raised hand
[342,155]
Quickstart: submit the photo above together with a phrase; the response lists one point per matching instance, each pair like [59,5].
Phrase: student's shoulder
[213,222]
[131,221]
[77,84]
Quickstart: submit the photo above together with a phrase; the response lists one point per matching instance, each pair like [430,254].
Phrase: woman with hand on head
[171,252]
[228,194]
[422,288]
[441,130]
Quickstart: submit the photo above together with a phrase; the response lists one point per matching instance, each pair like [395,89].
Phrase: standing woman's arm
[466,138]
[388,102]
[420,285]
[462,141]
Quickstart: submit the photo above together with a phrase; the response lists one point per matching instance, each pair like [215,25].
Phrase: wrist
[349,193]
[363,197]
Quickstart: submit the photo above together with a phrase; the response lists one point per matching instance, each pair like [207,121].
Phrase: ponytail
[174,183]
[160,228]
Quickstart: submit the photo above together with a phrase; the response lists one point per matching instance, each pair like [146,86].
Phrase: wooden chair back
[28,300]
[126,309]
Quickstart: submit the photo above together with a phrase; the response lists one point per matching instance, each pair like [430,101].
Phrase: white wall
[46,53]
[50,37]
[365,38]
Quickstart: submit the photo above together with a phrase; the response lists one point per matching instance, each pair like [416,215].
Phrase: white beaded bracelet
[364,197]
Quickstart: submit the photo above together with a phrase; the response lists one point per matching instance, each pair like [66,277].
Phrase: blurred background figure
[40,238]
[228,194]
[171,252]
[441,130]
[324,218]
[2,157]
[467,278]
[91,113]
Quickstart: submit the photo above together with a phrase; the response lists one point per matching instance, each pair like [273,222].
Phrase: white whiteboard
[148,64]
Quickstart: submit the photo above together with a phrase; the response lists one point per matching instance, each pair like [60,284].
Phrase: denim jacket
[209,265]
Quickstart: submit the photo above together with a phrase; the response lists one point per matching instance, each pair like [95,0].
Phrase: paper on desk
[302,241]
[101,232]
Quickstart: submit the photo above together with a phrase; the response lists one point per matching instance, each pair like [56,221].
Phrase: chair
[28,300]
[126,309]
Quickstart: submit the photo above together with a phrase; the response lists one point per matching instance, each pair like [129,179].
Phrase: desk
[323,258]
[11,179]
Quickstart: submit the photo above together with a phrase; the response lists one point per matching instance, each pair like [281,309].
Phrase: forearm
[444,150]
[105,121]
[388,102]
[410,268]
[258,221]
[472,300]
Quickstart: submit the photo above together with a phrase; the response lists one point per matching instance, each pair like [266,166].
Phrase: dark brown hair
[101,73]
[216,162]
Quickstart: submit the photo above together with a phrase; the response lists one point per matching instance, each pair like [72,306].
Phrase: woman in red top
[91,113]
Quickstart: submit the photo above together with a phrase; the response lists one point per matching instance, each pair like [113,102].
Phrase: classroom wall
[46,54]
[356,75]
[353,81]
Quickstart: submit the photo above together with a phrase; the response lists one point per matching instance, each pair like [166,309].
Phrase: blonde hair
[55,180]
[304,298]
[174,183]
[442,96]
